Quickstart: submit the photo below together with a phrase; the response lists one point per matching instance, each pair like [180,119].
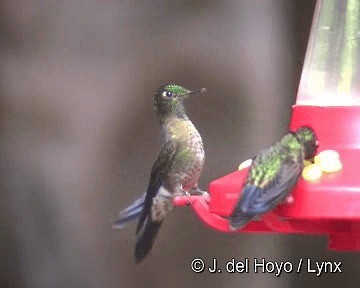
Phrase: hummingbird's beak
[197,91]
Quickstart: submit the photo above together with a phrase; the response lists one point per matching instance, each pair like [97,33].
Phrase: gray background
[79,135]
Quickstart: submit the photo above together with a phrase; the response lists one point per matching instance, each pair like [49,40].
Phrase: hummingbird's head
[307,137]
[169,98]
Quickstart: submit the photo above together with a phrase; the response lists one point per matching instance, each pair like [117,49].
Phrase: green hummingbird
[175,172]
[272,174]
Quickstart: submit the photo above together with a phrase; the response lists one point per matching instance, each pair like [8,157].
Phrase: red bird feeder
[328,101]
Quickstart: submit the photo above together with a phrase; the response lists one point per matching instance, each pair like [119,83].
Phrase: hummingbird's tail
[239,221]
[145,238]
[241,214]
[130,213]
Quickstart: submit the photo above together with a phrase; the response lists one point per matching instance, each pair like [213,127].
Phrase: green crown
[176,89]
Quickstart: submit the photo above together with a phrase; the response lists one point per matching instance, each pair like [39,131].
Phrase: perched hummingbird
[175,172]
[272,174]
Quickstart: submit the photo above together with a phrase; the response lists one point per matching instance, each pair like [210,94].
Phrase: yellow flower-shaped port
[329,161]
[312,172]
[326,161]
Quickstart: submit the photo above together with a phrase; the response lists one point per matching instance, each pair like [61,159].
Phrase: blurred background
[79,135]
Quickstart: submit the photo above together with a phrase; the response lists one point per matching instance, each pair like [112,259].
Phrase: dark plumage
[272,174]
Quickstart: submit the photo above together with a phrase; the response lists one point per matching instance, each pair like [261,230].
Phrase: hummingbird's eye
[167,94]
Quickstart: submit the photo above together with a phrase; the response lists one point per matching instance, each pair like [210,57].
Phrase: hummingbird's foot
[188,195]
[201,192]
[185,193]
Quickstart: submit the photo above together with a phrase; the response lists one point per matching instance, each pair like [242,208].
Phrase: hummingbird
[272,175]
[175,172]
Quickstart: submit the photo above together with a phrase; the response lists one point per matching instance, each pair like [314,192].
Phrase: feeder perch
[329,101]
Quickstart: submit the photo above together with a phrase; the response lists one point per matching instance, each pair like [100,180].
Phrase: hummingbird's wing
[159,170]
[147,228]
[257,199]
[141,207]
[260,198]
